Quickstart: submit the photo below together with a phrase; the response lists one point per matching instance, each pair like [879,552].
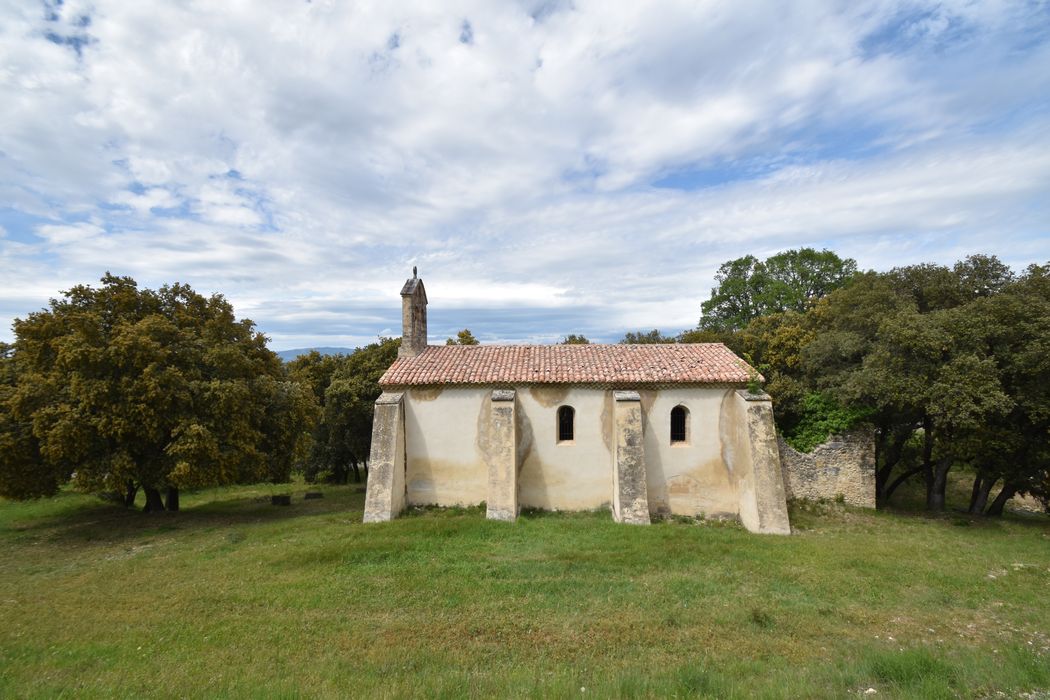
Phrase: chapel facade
[644,430]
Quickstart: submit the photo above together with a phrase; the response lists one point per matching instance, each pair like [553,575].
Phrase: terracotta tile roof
[687,363]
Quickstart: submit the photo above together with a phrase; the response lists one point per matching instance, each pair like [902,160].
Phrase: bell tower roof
[413,317]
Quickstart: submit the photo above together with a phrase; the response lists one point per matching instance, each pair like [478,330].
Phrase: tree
[23,474]
[641,338]
[574,339]
[791,280]
[117,388]
[464,337]
[912,347]
[773,344]
[984,275]
[314,371]
[797,278]
[1014,448]
[344,435]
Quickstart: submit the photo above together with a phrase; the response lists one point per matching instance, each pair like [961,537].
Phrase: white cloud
[144,203]
[300,158]
[65,235]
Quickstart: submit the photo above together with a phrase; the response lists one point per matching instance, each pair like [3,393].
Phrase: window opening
[566,418]
[679,424]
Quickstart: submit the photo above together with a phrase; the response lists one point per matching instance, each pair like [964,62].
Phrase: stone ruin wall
[844,465]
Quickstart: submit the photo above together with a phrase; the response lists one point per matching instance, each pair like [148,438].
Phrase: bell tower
[413,317]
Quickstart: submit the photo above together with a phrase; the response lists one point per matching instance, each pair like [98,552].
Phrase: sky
[550,167]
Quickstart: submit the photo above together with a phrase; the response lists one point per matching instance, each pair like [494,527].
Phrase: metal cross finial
[415,274]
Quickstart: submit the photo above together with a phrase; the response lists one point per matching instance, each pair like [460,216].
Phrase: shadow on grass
[804,513]
[962,518]
[910,501]
[95,520]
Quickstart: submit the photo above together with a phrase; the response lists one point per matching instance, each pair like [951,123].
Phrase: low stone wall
[844,466]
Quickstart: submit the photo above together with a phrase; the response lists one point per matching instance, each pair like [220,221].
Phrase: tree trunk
[891,457]
[935,497]
[979,498]
[927,460]
[154,504]
[357,472]
[130,493]
[1008,492]
[900,480]
[881,473]
[975,491]
[171,501]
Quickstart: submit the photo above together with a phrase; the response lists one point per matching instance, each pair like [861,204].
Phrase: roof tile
[686,363]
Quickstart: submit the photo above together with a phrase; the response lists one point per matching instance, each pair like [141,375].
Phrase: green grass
[235,597]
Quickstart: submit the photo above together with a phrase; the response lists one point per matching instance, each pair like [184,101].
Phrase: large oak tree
[749,288]
[116,388]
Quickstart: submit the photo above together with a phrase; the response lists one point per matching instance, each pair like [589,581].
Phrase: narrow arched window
[679,424]
[566,418]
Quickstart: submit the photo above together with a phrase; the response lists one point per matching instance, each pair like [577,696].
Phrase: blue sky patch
[466,33]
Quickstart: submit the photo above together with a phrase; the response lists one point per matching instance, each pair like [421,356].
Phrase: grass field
[235,597]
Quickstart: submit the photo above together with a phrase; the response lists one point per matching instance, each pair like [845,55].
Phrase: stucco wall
[574,475]
[447,443]
[444,464]
[689,478]
[844,466]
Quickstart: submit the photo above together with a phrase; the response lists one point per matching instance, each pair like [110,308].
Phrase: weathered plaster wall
[576,475]
[844,466]
[449,443]
[445,464]
[455,443]
[689,478]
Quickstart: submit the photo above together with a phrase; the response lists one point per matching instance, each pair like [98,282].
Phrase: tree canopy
[789,281]
[942,360]
[463,337]
[116,387]
[347,387]
[646,338]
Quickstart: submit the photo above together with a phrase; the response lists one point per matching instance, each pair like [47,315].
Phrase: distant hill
[289,355]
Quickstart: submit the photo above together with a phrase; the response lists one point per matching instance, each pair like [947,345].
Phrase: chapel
[642,430]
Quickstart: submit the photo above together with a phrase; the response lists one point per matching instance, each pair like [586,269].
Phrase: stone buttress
[750,453]
[385,495]
[630,493]
[502,501]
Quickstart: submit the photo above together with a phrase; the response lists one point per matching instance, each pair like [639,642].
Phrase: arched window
[679,424]
[566,419]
